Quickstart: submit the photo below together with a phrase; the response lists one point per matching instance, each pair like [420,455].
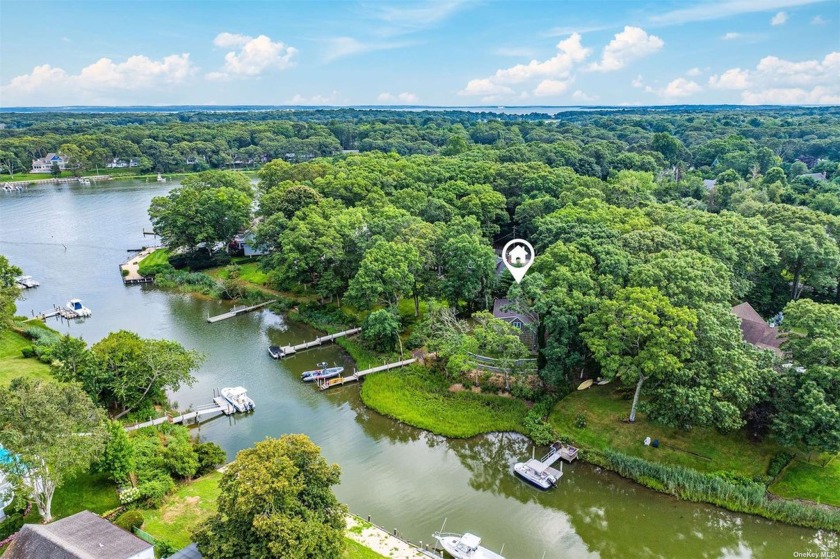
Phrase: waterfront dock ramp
[237,311]
[339,381]
[219,406]
[288,350]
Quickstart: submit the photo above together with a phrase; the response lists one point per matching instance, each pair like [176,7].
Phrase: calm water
[72,239]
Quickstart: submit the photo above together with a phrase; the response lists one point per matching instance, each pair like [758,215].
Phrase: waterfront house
[502,309]
[117,163]
[756,331]
[82,536]
[44,164]
[819,177]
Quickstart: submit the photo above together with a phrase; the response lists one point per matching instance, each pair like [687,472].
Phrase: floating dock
[288,350]
[62,312]
[339,381]
[237,311]
[26,282]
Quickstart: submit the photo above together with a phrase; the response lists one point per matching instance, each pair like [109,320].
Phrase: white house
[118,163]
[44,165]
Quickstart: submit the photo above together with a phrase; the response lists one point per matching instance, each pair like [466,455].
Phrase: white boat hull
[543,481]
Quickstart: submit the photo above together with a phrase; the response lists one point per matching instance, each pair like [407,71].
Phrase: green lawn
[159,257]
[803,480]
[421,398]
[248,271]
[12,362]
[702,449]
[355,550]
[93,492]
[190,504]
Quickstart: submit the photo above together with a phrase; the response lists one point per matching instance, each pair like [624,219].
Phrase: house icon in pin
[518,256]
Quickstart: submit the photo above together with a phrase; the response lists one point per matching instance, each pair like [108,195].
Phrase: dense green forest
[648,226]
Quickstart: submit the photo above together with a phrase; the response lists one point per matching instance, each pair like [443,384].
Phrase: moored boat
[77,307]
[27,282]
[276,352]
[538,473]
[464,546]
[238,398]
[321,373]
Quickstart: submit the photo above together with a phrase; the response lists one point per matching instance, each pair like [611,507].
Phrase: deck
[130,270]
[292,349]
[339,381]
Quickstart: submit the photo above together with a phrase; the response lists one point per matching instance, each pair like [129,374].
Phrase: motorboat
[84,182]
[238,398]
[26,282]
[321,373]
[77,307]
[464,546]
[160,178]
[275,351]
[538,473]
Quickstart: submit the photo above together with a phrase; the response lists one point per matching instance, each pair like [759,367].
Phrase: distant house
[44,165]
[502,309]
[245,243]
[819,177]
[709,183]
[756,331]
[117,163]
[81,536]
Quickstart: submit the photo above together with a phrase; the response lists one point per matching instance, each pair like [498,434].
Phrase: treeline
[685,145]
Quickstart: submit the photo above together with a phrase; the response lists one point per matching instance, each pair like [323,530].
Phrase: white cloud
[570,53]
[706,11]
[331,99]
[404,18]
[339,47]
[254,56]
[779,19]
[404,97]
[694,72]
[104,81]
[548,88]
[778,81]
[734,78]
[731,36]
[630,44]
[638,81]
[818,20]
[582,97]
[680,87]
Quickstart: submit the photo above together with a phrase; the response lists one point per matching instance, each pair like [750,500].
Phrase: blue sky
[446,52]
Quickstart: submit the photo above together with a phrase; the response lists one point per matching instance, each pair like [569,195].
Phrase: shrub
[380,330]
[778,463]
[129,495]
[12,524]
[164,549]
[153,491]
[580,421]
[123,272]
[28,352]
[210,455]
[130,520]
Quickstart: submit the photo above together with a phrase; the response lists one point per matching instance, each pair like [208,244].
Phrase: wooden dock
[130,269]
[292,349]
[62,312]
[219,405]
[57,181]
[237,311]
[340,381]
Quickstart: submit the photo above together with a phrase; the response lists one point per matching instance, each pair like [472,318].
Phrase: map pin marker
[518,255]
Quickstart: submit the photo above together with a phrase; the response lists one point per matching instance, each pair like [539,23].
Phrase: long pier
[285,351]
[57,181]
[237,311]
[63,312]
[219,405]
[339,381]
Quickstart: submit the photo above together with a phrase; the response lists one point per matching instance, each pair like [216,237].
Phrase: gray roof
[81,536]
[189,552]
[816,176]
[709,183]
[756,331]
[500,310]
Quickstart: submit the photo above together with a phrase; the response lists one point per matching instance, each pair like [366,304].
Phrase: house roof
[756,331]
[815,176]
[81,536]
[500,310]
[189,552]
[709,183]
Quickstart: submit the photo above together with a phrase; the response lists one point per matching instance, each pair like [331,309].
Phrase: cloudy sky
[423,52]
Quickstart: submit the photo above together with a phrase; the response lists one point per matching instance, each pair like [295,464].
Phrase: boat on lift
[321,373]
[238,398]
[77,307]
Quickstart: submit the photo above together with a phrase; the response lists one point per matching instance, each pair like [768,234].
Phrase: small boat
[85,182]
[238,398]
[586,384]
[275,351]
[466,546]
[160,178]
[321,373]
[26,282]
[77,307]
